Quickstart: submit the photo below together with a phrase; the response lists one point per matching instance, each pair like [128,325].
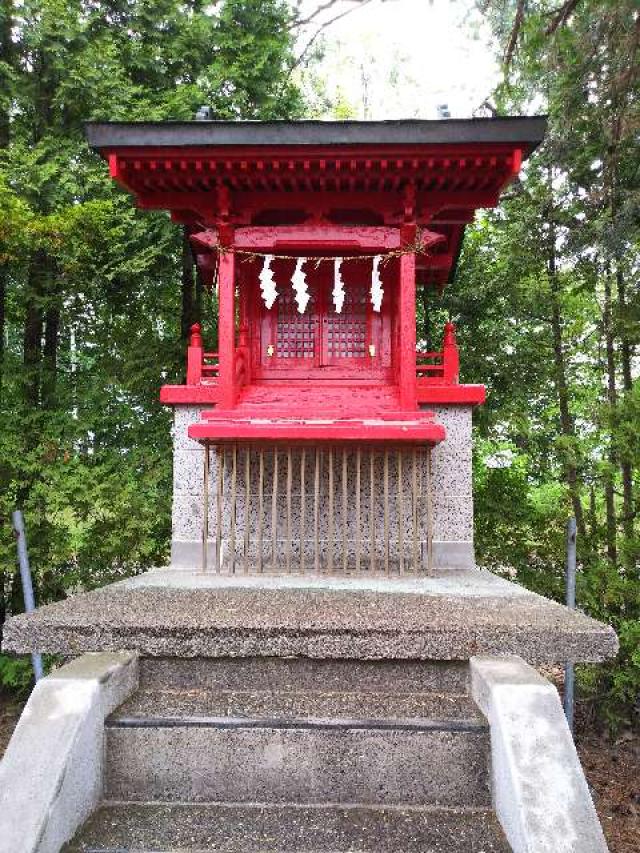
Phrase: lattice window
[347,331]
[296,336]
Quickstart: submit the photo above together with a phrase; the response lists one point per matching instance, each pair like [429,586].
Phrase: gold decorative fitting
[270,350]
[372,350]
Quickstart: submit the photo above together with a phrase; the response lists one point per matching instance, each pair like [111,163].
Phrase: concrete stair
[227,828]
[296,755]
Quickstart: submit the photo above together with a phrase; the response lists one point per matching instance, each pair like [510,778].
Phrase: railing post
[450,355]
[27,584]
[195,353]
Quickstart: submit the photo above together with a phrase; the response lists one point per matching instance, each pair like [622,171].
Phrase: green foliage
[90,287]
[548,308]
[16,673]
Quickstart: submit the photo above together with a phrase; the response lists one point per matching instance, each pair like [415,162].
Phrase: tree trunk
[609,495]
[426,325]
[6,56]
[33,322]
[50,353]
[188,295]
[626,466]
[566,421]
[3,315]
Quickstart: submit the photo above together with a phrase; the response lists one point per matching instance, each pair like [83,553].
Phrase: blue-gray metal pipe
[27,584]
[570,580]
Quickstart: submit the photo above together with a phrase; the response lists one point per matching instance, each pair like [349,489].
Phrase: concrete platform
[179,613]
[288,829]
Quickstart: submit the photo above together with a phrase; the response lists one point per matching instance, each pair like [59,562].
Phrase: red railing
[202,367]
[432,368]
[440,368]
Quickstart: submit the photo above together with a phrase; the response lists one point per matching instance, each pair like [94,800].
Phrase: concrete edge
[187,554]
[540,793]
[51,775]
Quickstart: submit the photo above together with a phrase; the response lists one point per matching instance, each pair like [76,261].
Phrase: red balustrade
[202,367]
[440,368]
[432,368]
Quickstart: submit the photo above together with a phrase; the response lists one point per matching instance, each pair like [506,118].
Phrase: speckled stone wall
[452,512]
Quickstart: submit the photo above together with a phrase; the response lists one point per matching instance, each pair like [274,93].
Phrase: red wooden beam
[416,431]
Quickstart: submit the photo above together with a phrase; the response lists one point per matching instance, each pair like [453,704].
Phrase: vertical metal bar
[205,507]
[219,493]
[400,513]
[316,503]
[372,503]
[234,490]
[330,533]
[247,505]
[344,508]
[429,514]
[358,482]
[303,504]
[27,584]
[289,486]
[260,505]
[386,509]
[570,576]
[414,505]
[274,509]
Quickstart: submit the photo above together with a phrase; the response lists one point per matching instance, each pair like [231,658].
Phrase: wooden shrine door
[320,343]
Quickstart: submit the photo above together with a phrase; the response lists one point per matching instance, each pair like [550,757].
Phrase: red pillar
[407,320]
[227,330]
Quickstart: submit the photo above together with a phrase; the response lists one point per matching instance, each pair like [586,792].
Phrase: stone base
[187,554]
[453,615]
[451,499]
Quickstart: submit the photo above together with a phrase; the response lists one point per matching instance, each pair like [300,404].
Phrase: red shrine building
[316,436]
[322,666]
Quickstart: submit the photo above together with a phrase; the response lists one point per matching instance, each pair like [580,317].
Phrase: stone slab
[541,795]
[309,708]
[288,829]
[279,675]
[211,762]
[453,616]
[51,774]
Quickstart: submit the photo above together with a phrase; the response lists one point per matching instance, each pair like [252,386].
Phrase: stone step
[302,747]
[278,674]
[237,828]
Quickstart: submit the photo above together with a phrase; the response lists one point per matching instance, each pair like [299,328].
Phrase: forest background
[96,297]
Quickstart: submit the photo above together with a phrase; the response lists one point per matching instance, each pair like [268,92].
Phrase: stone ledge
[178,613]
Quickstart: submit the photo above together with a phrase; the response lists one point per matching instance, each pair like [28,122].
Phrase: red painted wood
[319,344]
[345,200]
[407,325]
[333,239]
[450,355]
[417,431]
[227,330]
[185,395]
[434,395]
[195,356]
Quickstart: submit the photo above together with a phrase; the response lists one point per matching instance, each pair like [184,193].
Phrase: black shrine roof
[527,131]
